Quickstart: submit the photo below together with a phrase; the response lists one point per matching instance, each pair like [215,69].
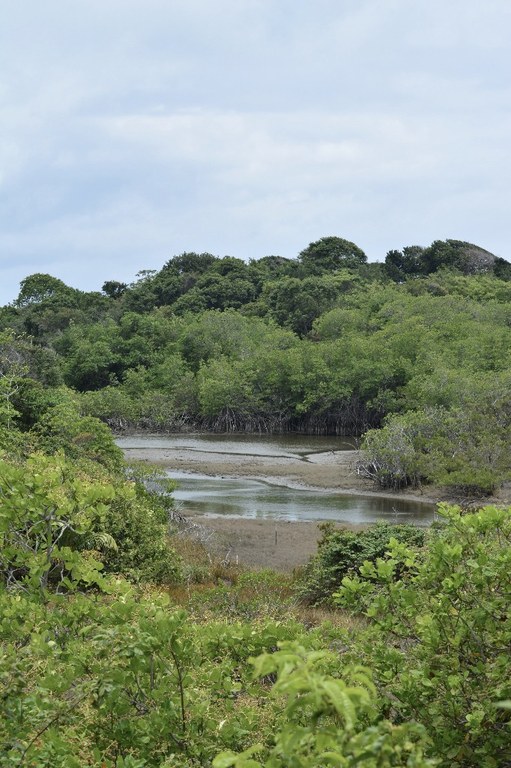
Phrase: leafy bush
[327,719]
[144,551]
[64,428]
[341,552]
[124,681]
[54,513]
[465,449]
[441,632]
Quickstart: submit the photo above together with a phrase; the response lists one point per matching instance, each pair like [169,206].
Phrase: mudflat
[254,543]
[281,545]
[331,470]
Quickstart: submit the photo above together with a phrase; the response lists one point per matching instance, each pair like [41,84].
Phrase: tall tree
[330,254]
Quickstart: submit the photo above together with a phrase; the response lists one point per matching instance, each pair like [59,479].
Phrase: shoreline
[333,473]
[276,544]
[261,543]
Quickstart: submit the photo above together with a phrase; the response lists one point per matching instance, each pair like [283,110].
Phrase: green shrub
[440,632]
[341,551]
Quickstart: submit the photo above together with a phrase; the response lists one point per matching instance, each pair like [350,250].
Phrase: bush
[465,449]
[440,633]
[341,552]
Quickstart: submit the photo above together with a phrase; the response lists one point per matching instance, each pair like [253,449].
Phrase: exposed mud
[280,545]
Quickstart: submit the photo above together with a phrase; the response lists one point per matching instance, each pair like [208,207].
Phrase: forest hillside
[413,353]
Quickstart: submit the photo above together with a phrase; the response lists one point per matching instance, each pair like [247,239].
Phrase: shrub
[341,552]
[440,634]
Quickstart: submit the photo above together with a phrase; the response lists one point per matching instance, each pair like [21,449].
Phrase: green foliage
[63,428]
[330,254]
[342,552]
[94,673]
[327,720]
[40,287]
[114,289]
[414,261]
[138,521]
[45,507]
[465,449]
[295,303]
[57,515]
[121,680]
[390,454]
[324,343]
[441,633]
[400,265]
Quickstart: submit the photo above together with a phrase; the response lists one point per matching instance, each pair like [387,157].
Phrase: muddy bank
[260,543]
[326,471]
[281,545]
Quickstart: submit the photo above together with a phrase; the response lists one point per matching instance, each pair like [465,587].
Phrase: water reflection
[241,497]
[214,496]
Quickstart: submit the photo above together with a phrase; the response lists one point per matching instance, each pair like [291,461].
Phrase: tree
[457,254]
[39,287]
[190,262]
[502,268]
[465,449]
[114,289]
[271,268]
[400,265]
[295,303]
[342,553]
[330,254]
[179,276]
[63,428]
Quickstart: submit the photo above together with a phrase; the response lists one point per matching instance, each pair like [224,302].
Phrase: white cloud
[133,130]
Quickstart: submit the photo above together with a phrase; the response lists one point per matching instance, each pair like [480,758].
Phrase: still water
[241,497]
[290,446]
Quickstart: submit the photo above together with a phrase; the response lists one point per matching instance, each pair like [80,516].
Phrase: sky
[134,130]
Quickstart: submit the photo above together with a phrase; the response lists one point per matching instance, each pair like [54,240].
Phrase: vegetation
[440,633]
[414,351]
[342,553]
[123,646]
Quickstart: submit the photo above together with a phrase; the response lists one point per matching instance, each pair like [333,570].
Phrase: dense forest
[125,644]
[414,353]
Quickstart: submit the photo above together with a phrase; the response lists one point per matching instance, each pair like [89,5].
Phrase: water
[213,496]
[241,497]
[290,446]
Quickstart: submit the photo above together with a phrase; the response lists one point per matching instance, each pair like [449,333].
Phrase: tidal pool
[221,495]
[238,497]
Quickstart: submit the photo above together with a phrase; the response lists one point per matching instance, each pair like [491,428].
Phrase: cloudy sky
[133,130]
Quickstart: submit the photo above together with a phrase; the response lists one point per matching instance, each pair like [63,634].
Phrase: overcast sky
[134,130]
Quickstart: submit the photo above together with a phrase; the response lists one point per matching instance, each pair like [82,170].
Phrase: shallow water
[214,496]
[290,446]
[241,497]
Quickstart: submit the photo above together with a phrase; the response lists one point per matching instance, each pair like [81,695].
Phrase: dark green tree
[400,265]
[114,289]
[330,254]
[457,254]
[295,303]
[39,287]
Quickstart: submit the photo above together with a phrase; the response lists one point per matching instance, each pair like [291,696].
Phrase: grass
[215,589]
